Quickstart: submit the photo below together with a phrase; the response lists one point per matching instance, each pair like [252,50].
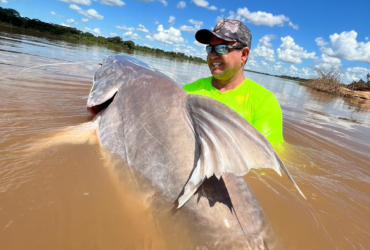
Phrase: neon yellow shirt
[250,100]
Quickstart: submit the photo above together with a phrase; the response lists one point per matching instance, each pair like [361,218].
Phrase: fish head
[113,72]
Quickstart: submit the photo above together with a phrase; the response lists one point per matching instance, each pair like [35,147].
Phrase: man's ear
[245,53]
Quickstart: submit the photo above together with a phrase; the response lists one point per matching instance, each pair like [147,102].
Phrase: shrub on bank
[360,85]
[326,80]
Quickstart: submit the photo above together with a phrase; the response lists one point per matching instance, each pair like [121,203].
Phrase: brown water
[68,197]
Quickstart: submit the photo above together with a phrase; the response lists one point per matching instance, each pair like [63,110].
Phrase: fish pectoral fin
[79,134]
[196,179]
[228,142]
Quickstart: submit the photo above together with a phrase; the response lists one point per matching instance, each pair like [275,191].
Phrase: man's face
[224,67]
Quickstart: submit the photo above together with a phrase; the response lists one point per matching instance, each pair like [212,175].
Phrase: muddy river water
[67,196]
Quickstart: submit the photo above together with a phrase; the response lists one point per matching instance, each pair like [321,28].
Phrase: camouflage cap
[228,30]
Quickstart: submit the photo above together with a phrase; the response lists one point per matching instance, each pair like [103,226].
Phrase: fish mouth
[99,108]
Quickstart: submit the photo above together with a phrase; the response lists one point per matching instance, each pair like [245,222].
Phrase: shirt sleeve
[268,120]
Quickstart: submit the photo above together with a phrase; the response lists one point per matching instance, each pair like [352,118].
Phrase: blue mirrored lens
[220,49]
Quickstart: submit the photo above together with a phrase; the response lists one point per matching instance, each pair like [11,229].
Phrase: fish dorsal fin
[229,144]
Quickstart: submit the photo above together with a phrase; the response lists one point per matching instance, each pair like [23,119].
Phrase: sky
[288,37]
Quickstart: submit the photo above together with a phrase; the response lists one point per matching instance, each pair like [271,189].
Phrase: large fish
[185,154]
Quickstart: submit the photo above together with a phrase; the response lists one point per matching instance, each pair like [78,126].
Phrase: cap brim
[204,36]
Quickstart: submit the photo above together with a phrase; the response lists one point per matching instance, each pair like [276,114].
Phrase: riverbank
[293,78]
[355,94]
[12,19]
[329,82]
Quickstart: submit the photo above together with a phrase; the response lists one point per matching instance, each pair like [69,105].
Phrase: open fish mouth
[96,108]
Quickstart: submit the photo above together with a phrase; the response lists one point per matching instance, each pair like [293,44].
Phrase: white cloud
[201,3]
[85,20]
[131,35]
[263,49]
[222,10]
[3,1]
[84,2]
[112,2]
[149,38]
[190,51]
[125,28]
[200,45]
[192,29]
[188,28]
[264,18]
[171,36]
[74,7]
[345,46]
[291,53]
[205,4]
[233,15]
[71,21]
[96,31]
[191,48]
[359,70]
[196,23]
[160,28]
[66,25]
[265,52]
[354,74]
[366,38]
[171,20]
[265,41]
[164,2]
[141,28]
[278,66]
[113,34]
[328,61]
[251,64]
[181,5]
[91,13]
[294,26]
[306,73]
[55,14]
[293,69]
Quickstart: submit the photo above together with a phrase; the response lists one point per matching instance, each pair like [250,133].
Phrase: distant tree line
[13,17]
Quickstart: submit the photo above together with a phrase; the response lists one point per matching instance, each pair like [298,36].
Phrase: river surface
[66,197]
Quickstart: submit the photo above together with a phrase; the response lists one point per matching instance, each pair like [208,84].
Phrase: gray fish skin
[153,127]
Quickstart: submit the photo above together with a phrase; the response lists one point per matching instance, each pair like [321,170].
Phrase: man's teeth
[216,64]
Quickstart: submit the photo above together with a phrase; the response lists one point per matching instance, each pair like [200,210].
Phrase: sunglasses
[221,49]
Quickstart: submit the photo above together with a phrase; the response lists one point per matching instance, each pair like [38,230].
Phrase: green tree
[129,44]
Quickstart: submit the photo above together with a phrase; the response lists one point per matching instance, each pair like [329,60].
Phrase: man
[228,50]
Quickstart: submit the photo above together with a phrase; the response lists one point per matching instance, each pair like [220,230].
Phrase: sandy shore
[355,94]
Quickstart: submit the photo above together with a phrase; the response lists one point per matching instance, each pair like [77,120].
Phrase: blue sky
[288,37]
